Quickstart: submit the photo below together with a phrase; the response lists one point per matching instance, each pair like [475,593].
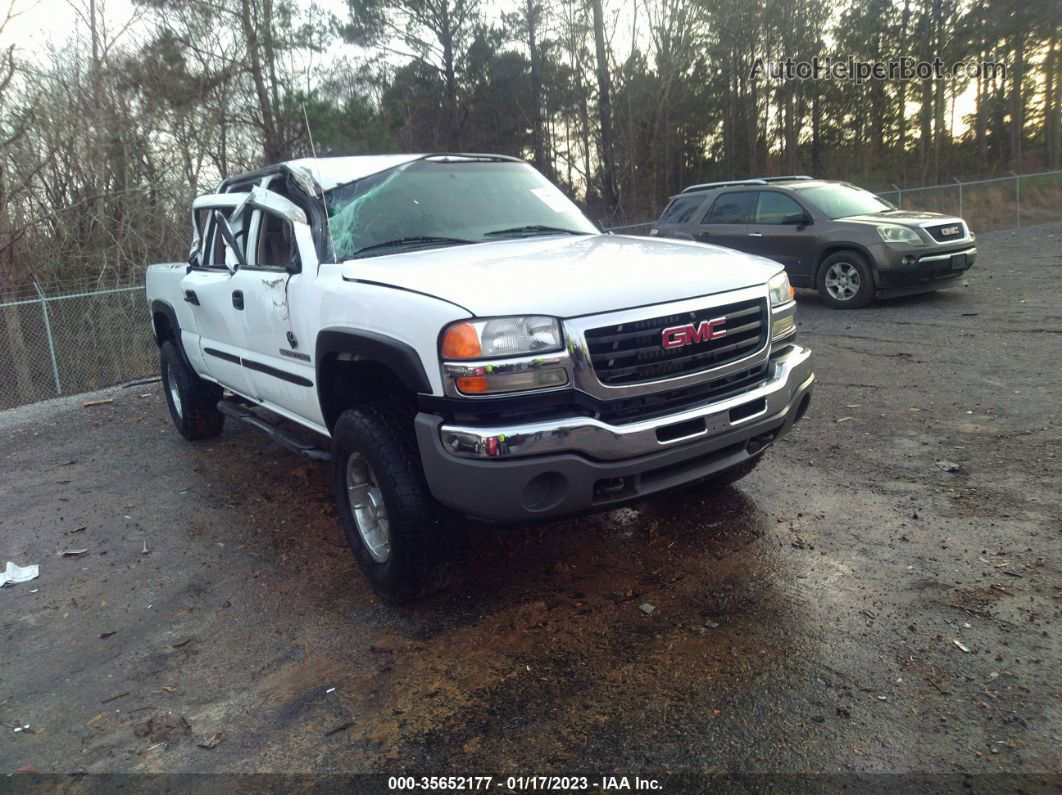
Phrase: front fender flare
[397,356]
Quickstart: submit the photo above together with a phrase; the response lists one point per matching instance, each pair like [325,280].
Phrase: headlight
[781,293]
[779,290]
[500,336]
[891,233]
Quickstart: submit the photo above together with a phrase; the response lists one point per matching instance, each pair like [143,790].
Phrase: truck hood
[565,276]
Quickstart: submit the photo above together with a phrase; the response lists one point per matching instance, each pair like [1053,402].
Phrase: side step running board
[281,436]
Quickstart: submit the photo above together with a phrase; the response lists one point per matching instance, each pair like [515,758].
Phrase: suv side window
[681,209]
[731,208]
[776,208]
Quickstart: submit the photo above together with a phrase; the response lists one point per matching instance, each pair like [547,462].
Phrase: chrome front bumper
[788,375]
[582,464]
[969,254]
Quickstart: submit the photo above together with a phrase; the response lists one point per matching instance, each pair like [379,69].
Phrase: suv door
[725,223]
[224,220]
[780,230]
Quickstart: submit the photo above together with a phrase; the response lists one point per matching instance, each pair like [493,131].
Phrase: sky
[41,22]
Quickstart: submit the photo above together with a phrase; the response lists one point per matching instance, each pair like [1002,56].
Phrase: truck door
[208,287]
[278,315]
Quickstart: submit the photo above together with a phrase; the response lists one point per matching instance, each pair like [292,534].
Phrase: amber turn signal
[472,384]
[460,341]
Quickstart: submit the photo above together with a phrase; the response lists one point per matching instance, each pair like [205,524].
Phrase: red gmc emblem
[690,334]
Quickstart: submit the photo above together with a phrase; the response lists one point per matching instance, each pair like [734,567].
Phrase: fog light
[490,383]
[544,491]
[908,259]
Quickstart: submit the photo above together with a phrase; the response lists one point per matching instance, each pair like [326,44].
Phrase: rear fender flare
[162,308]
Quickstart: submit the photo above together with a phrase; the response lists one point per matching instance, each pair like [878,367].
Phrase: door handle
[755,234]
[191,297]
[237,299]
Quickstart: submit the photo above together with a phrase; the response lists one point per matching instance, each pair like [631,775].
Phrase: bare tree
[604,111]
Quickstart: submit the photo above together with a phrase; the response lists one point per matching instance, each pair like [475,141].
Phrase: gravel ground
[848,608]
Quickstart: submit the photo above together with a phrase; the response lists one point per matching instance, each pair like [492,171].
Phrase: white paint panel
[566,276]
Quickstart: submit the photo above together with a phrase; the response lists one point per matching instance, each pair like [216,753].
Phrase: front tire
[845,281]
[403,539]
[193,402]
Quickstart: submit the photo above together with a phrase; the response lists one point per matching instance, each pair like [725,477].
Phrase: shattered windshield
[437,202]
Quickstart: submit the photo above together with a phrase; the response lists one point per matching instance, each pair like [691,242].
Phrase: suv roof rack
[755,181]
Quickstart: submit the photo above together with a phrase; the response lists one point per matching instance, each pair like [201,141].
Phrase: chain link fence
[63,343]
[989,204]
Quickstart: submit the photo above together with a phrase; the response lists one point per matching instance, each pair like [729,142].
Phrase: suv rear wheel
[845,281]
[403,539]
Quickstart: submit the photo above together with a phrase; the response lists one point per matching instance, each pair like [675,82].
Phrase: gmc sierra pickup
[461,341]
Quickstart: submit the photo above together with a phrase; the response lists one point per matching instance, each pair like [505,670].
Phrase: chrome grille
[955,230]
[629,353]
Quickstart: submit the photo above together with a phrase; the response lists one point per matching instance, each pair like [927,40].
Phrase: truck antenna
[317,176]
[309,132]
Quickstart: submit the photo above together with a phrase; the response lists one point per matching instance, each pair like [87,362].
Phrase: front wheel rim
[368,509]
[842,281]
[171,387]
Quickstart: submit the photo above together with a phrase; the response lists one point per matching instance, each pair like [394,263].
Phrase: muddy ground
[849,607]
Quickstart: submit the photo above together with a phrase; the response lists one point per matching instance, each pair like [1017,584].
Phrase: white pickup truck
[461,341]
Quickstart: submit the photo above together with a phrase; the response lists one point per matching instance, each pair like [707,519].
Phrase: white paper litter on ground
[14,574]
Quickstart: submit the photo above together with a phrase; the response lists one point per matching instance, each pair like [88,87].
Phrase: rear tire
[845,281]
[193,402]
[406,542]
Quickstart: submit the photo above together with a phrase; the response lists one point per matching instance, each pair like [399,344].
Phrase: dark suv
[844,241]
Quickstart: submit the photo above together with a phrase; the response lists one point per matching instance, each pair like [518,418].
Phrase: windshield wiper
[534,229]
[415,240]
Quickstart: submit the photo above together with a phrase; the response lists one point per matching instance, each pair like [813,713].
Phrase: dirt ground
[850,607]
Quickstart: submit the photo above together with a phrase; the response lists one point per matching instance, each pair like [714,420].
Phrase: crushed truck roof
[330,172]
